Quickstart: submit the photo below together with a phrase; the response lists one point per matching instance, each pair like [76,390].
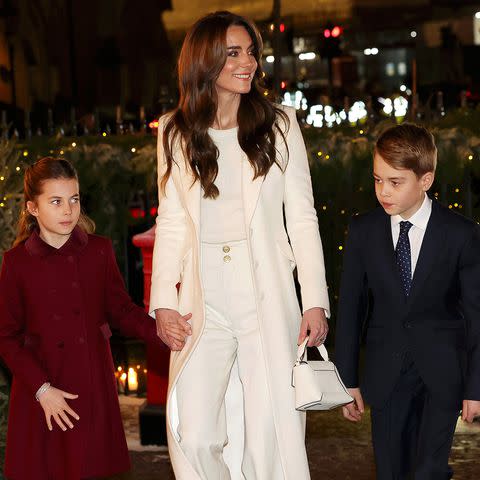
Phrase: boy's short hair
[408,146]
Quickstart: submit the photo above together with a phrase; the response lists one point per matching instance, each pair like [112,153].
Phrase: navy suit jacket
[438,323]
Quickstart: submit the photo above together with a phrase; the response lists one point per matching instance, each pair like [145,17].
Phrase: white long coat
[273,258]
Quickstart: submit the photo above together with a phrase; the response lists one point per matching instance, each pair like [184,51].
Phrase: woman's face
[237,73]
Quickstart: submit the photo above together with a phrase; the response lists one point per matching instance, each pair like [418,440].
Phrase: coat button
[81,340]
[70,259]
[227,258]
[226,249]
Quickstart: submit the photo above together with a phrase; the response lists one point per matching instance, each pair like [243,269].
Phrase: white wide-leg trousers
[231,333]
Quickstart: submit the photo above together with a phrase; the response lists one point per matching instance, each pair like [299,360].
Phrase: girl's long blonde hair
[46,168]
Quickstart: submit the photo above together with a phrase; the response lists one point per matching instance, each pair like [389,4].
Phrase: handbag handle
[302,351]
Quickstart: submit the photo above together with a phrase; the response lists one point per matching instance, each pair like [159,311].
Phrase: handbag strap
[302,351]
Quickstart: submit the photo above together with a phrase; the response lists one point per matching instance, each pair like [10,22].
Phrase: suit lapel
[386,254]
[432,243]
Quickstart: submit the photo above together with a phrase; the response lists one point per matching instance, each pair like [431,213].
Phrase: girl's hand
[173,328]
[315,322]
[54,405]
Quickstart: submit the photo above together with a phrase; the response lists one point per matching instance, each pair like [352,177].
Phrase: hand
[470,410]
[315,322]
[54,405]
[173,328]
[354,410]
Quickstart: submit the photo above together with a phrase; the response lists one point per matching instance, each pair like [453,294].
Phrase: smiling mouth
[243,76]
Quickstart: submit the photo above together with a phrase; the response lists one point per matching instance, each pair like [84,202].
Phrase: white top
[419,221]
[223,218]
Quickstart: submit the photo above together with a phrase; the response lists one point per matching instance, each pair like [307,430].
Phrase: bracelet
[42,390]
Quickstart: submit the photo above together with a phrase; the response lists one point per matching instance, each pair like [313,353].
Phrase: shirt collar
[420,218]
[36,246]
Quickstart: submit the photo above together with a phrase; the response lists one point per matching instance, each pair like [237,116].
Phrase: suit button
[81,340]
[226,249]
[70,259]
[227,258]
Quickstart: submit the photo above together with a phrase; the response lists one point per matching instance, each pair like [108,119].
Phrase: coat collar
[37,247]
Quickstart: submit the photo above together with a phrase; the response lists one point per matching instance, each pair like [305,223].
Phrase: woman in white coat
[233,171]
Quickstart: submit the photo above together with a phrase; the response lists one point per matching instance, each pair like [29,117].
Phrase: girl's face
[237,73]
[57,210]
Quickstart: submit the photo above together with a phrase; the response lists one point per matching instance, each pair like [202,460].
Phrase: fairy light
[327,157]
[74,144]
[340,247]
[104,134]
[470,157]
[319,154]
[17,169]
[25,153]
[61,152]
[457,190]
[133,150]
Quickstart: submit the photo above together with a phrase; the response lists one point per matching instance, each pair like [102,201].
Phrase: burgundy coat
[56,308]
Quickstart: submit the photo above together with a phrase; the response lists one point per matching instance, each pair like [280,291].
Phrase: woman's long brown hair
[201,60]
[46,168]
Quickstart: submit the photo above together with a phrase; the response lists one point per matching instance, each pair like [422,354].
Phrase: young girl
[60,290]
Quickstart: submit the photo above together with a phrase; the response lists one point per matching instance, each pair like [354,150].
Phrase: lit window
[402,68]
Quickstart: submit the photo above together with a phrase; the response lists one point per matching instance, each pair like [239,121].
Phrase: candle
[121,382]
[132,380]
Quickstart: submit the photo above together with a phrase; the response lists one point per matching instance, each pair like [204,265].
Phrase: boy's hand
[470,410]
[354,411]
[173,328]
[315,322]
[54,405]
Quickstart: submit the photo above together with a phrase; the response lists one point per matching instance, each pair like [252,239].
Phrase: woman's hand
[173,328]
[315,322]
[54,405]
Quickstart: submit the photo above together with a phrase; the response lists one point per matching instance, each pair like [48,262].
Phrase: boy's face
[399,191]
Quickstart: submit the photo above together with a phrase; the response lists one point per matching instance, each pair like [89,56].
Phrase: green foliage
[11,181]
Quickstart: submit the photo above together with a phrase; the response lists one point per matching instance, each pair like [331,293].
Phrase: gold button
[227,258]
[226,249]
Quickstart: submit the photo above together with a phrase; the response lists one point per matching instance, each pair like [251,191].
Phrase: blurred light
[340,247]
[25,153]
[270,59]
[470,157]
[327,33]
[328,158]
[307,56]
[413,34]
[17,169]
[477,15]
[283,85]
[153,124]
[265,92]
[367,51]
[61,152]
[104,134]
[272,27]
[457,190]
[336,31]
[361,132]
[374,51]
[282,27]
[403,88]
[133,150]
[74,144]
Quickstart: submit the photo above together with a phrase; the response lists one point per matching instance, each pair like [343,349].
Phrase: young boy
[411,277]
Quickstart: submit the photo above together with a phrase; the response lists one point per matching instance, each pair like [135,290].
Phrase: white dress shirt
[419,221]
[222,218]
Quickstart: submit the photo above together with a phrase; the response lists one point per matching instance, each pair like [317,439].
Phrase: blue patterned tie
[404,257]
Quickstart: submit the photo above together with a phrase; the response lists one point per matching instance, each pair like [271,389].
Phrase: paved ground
[338,450]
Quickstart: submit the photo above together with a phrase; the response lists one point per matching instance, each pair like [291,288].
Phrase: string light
[17,169]
[343,212]
[319,154]
[470,157]
[2,178]
[457,190]
[25,153]
[455,205]
[61,152]
[104,134]
[74,144]
[327,157]
[340,247]
[133,150]
[324,207]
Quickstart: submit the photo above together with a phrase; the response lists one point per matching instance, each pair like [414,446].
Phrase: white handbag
[318,385]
